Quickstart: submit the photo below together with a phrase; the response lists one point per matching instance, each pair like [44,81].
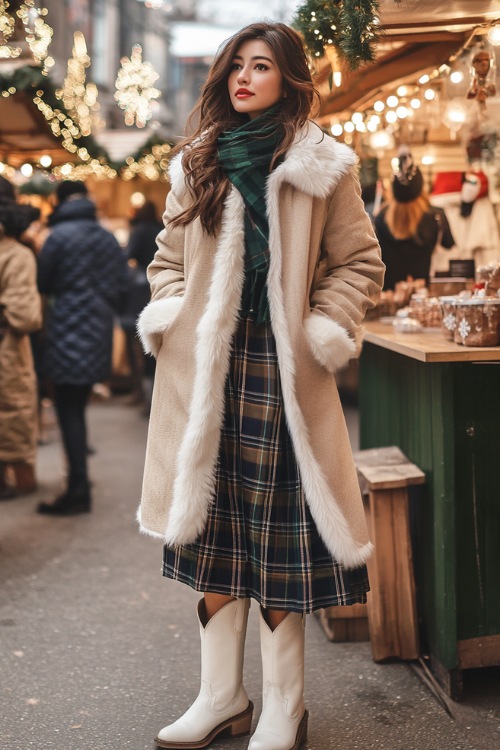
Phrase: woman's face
[255,82]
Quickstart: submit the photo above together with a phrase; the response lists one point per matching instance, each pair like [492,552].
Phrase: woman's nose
[243,75]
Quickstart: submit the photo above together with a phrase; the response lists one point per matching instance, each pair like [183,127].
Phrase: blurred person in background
[408,228]
[20,314]
[145,227]
[83,272]
[265,268]
[372,196]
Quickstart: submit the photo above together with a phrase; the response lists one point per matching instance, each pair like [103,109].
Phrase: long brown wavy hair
[215,114]
[403,218]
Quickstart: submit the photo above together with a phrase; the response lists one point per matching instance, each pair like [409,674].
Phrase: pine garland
[351,26]
[32,81]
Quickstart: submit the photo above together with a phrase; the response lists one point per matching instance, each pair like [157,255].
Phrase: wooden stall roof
[418,36]
[25,135]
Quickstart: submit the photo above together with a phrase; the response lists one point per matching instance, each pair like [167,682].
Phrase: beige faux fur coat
[325,271]
[20,314]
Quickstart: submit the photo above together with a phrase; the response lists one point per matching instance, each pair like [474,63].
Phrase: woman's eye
[235,66]
[261,66]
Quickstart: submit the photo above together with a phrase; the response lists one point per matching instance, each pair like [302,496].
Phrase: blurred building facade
[178,37]
[111,28]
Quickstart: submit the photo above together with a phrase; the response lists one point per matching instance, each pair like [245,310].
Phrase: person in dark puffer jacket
[83,272]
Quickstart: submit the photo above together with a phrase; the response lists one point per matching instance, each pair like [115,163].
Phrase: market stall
[440,403]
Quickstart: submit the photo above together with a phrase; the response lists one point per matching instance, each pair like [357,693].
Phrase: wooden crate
[348,623]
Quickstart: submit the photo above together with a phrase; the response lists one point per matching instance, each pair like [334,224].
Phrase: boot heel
[302,732]
[241,724]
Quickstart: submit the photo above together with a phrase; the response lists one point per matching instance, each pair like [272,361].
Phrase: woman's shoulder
[320,145]
[315,162]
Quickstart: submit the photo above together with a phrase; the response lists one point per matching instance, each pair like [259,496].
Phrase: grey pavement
[98,651]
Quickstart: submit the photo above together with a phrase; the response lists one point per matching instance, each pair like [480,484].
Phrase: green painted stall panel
[408,403]
[477,426]
[446,418]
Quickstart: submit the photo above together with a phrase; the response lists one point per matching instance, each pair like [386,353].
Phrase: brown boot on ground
[25,480]
[16,479]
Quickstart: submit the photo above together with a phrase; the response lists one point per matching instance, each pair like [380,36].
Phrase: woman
[263,273]
[20,313]
[408,228]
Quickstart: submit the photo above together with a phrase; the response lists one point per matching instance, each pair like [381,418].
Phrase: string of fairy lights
[80,98]
[331,32]
[38,33]
[438,94]
[135,92]
[73,113]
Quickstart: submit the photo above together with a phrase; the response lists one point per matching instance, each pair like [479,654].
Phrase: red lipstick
[243,93]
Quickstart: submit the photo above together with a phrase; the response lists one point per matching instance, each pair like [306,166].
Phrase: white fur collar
[315,163]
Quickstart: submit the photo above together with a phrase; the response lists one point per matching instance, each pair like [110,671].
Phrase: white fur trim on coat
[176,175]
[314,163]
[197,457]
[330,521]
[154,321]
[330,343]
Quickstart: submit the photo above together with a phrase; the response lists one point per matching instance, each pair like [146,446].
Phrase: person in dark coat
[408,228]
[145,227]
[83,272]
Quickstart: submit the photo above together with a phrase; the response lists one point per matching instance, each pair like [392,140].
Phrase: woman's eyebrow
[257,57]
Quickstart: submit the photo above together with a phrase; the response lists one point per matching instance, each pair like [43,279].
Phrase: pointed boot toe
[222,705]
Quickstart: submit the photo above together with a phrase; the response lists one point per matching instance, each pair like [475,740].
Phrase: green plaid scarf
[245,154]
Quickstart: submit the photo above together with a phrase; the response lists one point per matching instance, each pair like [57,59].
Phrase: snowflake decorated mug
[449,319]
[477,322]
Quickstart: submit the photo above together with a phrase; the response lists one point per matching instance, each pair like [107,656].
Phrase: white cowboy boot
[222,703]
[283,721]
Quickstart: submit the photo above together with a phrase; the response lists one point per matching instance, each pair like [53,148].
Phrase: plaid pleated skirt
[260,540]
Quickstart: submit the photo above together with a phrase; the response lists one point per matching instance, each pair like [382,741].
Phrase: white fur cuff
[154,321]
[330,343]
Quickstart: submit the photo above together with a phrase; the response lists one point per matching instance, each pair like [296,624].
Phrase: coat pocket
[154,320]
[330,344]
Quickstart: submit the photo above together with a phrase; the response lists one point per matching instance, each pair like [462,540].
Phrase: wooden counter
[439,402]
[429,346]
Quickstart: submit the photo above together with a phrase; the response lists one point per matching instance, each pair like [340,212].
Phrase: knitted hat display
[408,181]
[68,187]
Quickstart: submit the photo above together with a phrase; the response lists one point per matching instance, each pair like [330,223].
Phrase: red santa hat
[469,185]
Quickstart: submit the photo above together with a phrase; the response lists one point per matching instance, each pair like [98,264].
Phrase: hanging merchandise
[135,92]
[482,76]
[482,134]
